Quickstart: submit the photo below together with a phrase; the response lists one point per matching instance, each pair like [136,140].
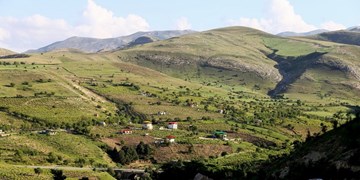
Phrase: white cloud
[101,23]
[332,26]
[4,34]
[183,24]
[35,31]
[281,16]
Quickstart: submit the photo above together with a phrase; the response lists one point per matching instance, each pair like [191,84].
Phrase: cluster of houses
[147,125]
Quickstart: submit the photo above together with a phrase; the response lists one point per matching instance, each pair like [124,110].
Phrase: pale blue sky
[28,24]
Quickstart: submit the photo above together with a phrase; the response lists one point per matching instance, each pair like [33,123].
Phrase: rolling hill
[351,36]
[93,45]
[278,65]
[5,52]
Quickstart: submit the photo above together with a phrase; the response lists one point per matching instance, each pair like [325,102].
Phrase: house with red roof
[170,139]
[172,125]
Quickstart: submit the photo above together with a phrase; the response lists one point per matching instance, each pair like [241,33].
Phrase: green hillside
[334,154]
[343,37]
[272,64]
[264,92]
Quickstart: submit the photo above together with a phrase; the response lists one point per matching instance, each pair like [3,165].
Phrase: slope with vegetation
[265,92]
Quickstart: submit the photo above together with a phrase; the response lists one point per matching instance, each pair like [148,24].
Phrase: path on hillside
[82,92]
[79,168]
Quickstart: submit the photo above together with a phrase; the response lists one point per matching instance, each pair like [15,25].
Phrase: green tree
[38,171]
[143,150]
[58,174]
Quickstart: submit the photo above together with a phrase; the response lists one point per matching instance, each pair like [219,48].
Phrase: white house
[172,125]
[161,113]
[170,139]
[147,125]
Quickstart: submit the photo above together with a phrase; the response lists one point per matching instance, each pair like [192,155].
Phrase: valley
[238,96]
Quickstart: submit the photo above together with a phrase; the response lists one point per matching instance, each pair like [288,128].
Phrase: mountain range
[93,45]
[310,33]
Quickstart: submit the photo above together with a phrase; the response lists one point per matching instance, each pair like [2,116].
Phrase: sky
[31,24]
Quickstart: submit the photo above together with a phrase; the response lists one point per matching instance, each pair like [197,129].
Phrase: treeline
[12,56]
[4,63]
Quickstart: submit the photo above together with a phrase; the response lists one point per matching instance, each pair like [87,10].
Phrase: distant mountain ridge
[354,29]
[310,33]
[5,52]
[350,36]
[93,45]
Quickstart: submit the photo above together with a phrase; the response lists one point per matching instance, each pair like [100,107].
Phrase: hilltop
[278,65]
[5,52]
[93,45]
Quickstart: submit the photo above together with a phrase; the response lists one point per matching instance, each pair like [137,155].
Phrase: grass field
[13,172]
[62,149]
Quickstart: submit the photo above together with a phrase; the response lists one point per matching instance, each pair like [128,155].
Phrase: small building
[170,139]
[126,131]
[220,134]
[147,125]
[172,125]
[161,113]
[221,111]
